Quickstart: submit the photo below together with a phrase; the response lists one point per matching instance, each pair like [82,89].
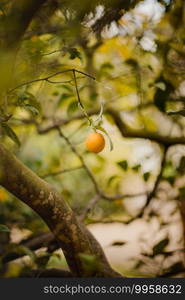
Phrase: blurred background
[131,197]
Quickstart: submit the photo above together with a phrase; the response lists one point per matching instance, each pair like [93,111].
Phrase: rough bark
[72,236]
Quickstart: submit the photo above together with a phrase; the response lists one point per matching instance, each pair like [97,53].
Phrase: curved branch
[141,134]
[124,129]
[34,243]
[71,235]
[52,174]
[46,78]
[153,136]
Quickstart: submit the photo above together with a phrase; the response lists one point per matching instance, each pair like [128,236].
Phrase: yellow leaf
[3,195]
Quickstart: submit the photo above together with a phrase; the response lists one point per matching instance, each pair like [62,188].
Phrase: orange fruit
[95,142]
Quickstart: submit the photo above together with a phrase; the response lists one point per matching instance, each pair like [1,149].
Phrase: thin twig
[89,207]
[154,190]
[80,158]
[52,174]
[50,76]
[79,100]
[53,82]
[66,81]
[158,180]
[172,273]
[61,122]
[149,198]
[77,91]
[96,186]
[52,52]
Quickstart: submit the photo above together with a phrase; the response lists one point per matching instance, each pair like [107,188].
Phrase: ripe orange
[95,142]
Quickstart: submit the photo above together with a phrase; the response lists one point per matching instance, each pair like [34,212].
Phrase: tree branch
[17,21]
[154,190]
[34,243]
[153,136]
[91,176]
[50,76]
[150,196]
[124,129]
[71,235]
[158,179]
[172,273]
[89,207]
[51,174]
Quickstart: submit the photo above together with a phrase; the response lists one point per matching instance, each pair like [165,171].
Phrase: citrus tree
[77,81]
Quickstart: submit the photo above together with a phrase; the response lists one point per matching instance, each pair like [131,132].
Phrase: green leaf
[113,179]
[118,243]
[160,100]
[123,164]
[29,102]
[159,247]
[146,176]
[161,85]
[182,192]
[42,261]
[4,117]
[180,112]
[56,93]
[4,228]
[28,252]
[162,95]
[31,109]
[139,264]
[176,267]
[66,87]
[74,53]
[136,168]
[90,262]
[84,86]
[169,171]
[10,133]
[20,249]
[98,121]
[100,128]
[33,101]
[73,106]
[63,98]
[181,167]
[87,258]
[107,65]
[132,62]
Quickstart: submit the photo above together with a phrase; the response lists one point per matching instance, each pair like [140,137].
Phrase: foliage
[79,72]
